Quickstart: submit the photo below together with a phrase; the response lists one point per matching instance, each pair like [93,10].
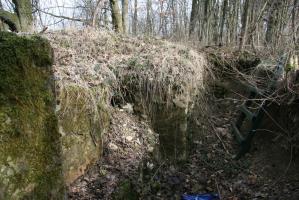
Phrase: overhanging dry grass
[89,58]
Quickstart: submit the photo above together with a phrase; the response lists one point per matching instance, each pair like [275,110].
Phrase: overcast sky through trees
[73,9]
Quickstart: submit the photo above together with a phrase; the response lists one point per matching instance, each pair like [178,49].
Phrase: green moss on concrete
[30,162]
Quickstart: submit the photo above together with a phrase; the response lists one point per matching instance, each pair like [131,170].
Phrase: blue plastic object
[201,197]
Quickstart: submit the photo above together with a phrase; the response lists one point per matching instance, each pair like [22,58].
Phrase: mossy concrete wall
[30,154]
[47,137]
[83,118]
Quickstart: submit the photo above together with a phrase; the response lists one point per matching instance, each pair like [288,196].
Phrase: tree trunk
[106,17]
[175,22]
[224,10]
[185,16]
[244,25]
[293,21]
[206,23]
[135,18]
[21,19]
[215,21]
[125,15]
[148,17]
[272,22]
[251,22]
[237,21]
[193,17]
[232,21]
[116,16]
[23,9]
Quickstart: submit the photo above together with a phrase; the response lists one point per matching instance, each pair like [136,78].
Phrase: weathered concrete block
[30,154]
[83,118]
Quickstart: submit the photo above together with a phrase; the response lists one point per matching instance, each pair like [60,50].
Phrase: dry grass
[89,58]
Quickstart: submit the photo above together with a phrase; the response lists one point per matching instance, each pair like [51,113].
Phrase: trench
[205,161]
[157,140]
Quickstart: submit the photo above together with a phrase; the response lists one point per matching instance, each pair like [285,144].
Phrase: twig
[223,145]
[218,190]
[157,171]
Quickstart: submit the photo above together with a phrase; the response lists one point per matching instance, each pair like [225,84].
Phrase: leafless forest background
[253,24]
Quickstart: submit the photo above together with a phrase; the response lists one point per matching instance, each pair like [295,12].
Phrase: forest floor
[127,170]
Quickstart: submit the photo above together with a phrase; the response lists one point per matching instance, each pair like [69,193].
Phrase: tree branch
[61,16]
[10,19]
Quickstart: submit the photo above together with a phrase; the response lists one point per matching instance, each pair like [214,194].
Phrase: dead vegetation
[237,73]
[90,58]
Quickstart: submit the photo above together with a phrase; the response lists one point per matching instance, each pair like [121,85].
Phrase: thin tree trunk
[215,22]
[175,25]
[206,21]
[223,19]
[106,6]
[293,22]
[135,17]
[244,25]
[125,15]
[193,17]
[148,17]
[252,19]
[272,22]
[232,20]
[185,15]
[237,21]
